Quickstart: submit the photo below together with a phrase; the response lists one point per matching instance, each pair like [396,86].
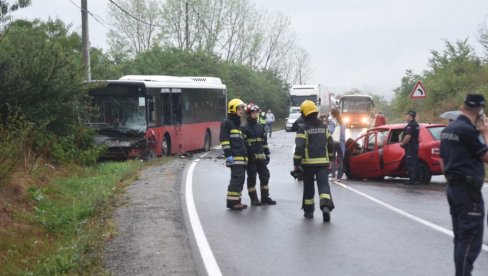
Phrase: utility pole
[85,39]
[187,33]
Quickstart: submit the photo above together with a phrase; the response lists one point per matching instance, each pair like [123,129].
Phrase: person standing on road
[313,146]
[339,137]
[410,143]
[235,151]
[379,119]
[270,118]
[463,154]
[259,157]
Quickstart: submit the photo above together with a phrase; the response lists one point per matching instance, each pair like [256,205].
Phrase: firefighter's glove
[230,160]
[267,159]
[297,173]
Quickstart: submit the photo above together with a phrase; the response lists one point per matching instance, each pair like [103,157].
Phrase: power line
[132,16]
[208,29]
[94,16]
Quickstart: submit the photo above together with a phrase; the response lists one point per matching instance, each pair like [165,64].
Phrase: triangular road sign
[418,91]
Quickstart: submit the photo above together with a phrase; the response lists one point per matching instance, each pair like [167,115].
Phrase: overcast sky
[363,44]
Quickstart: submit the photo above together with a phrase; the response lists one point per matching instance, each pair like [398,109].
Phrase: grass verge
[61,227]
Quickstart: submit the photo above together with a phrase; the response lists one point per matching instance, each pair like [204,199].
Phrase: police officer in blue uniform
[463,153]
[410,143]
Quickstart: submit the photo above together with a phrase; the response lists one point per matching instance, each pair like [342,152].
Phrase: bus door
[172,114]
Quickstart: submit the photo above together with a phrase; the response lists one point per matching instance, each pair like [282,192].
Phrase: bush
[15,133]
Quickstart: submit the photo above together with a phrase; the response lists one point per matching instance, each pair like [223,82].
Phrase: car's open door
[393,153]
[365,161]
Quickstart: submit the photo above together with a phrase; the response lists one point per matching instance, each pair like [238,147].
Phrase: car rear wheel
[424,173]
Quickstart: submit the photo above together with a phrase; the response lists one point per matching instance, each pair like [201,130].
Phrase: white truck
[314,92]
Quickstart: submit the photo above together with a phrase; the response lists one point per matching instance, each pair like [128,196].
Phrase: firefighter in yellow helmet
[235,151]
[313,147]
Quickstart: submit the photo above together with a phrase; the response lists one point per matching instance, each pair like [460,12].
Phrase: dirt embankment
[151,238]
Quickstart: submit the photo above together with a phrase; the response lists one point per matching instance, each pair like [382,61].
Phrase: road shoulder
[151,236]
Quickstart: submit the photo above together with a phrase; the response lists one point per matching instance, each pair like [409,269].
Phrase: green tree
[6,8]
[452,73]
[42,76]
[105,67]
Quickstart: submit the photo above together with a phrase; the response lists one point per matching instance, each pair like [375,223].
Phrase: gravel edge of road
[153,229]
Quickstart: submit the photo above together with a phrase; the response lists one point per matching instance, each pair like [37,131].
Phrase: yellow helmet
[234,104]
[308,107]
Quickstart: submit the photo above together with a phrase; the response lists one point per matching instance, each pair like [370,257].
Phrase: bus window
[152,122]
[166,102]
[177,108]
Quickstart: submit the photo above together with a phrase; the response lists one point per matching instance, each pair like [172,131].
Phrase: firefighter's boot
[268,201]
[254,196]
[256,202]
[265,199]
[238,207]
[308,215]
[326,213]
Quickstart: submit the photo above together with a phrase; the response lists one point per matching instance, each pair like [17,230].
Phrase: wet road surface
[377,228]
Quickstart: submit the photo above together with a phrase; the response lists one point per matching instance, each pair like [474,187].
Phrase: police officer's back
[463,154]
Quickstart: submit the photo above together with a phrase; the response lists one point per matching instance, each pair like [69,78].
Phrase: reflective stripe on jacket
[313,144]
[232,140]
[255,138]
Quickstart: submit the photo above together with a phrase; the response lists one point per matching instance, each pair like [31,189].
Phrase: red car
[377,153]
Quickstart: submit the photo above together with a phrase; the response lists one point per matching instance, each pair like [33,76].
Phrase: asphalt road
[377,228]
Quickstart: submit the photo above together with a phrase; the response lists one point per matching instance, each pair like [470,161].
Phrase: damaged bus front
[120,119]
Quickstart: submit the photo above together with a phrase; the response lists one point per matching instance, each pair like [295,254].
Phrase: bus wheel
[207,144]
[166,146]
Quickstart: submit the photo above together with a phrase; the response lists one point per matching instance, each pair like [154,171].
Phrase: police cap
[474,100]
[411,112]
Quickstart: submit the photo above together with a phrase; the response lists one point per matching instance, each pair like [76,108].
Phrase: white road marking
[403,213]
[207,255]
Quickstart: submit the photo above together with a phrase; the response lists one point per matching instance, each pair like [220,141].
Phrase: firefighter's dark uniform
[297,124]
[412,150]
[259,155]
[233,144]
[313,146]
[461,151]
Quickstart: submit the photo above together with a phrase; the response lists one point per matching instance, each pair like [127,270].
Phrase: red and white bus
[141,116]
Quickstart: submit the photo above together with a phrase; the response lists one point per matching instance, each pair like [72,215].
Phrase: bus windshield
[118,108]
[118,113]
[356,105]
